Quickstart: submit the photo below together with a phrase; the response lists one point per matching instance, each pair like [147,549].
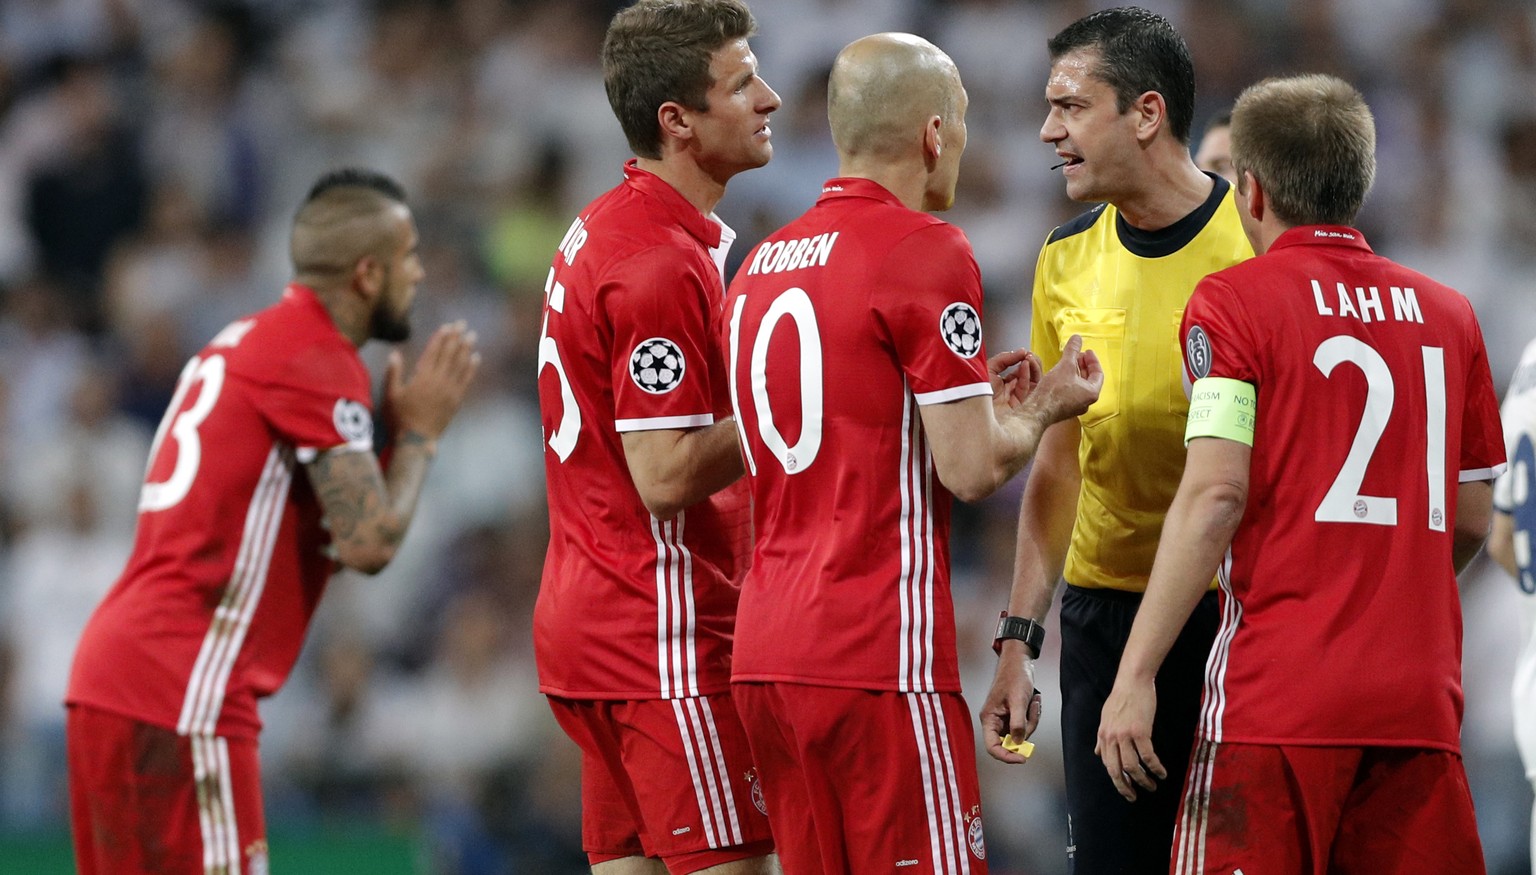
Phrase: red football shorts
[1290,810]
[667,778]
[146,800]
[863,781]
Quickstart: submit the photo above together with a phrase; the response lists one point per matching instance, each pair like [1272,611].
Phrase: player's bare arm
[1501,543]
[1474,511]
[1205,513]
[366,509]
[1046,515]
[978,446]
[675,468]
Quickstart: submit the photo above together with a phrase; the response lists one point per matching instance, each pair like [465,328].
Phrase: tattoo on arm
[351,492]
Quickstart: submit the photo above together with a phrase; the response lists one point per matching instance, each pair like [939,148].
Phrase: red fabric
[1282,810]
[135,804]
[866,781]
[1340,625]
[849,584]
[630,607]
[666,778]
[229,560]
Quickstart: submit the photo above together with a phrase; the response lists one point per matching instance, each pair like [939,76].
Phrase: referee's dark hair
[1139,51]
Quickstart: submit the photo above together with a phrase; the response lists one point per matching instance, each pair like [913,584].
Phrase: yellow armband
[1224,408]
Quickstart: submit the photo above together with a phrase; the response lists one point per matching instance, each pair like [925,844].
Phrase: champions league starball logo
[961,327]
[352,421]
[657,365]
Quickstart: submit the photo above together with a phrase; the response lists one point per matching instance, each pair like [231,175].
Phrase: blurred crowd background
[152,153]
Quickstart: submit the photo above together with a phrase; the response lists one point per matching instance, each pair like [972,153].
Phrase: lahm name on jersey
[782,255]
[1366,303]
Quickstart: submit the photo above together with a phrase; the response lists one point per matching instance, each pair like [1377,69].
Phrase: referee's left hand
[1125,738]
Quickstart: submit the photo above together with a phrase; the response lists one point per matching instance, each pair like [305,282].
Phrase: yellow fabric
[1128,309]
[1221,407]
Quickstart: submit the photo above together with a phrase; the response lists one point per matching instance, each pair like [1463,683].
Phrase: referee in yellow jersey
[1121,94]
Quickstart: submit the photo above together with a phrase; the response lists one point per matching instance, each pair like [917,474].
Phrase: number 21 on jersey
[1343,503]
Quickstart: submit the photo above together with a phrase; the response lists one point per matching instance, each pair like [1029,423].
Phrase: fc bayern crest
[352,421]
[961,327]
[657,365]
[1197,351]
[973,837]
[757,792]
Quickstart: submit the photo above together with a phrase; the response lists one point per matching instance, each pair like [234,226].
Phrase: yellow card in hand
[1022,748]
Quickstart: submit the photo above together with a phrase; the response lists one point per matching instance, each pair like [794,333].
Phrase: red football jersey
[839,326]
[632,607]
[1341,623]
[229,559]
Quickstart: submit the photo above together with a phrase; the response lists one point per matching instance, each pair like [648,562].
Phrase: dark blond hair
[659,50]
[1311,142]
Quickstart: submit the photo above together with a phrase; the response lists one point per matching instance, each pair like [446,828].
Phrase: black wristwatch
[1022,629]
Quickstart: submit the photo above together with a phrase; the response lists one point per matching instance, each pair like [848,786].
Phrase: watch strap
[1021,629]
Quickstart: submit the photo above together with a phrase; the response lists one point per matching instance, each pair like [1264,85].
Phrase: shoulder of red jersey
[288,344]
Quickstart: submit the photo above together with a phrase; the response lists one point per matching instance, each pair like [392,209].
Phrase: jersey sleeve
[928,297]
[319,402]
[1482,434]
[660,310]
[1215,338]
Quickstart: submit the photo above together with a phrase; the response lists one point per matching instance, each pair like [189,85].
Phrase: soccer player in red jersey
[234,549]
[1343,433]
[864,401]
[633,624]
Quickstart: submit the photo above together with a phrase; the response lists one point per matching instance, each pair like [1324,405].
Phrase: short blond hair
[1311,142]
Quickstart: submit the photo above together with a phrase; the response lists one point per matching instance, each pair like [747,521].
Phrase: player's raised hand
[1012,708]
[1125,738]
[427,401]
[1071,387]
[1014,374]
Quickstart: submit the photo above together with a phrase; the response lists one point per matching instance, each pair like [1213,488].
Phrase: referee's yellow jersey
[1124,291]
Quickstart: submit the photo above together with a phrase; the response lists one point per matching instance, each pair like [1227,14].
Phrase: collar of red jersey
[854,186]
[696,223]
[304,294]
[1325,235]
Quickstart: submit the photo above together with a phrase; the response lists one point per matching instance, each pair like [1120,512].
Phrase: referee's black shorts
[1107,835]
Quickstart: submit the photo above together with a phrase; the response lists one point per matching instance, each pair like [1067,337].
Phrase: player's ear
[674,121]
[933,142]
[1253,195]
[368,275]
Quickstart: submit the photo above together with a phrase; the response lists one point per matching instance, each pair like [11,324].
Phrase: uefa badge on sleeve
[1197,352]
[657,365]
[961,327]
[352,421]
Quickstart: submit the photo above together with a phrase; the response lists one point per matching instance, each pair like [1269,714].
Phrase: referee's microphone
[1061,165]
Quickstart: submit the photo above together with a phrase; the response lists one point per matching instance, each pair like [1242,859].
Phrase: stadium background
[151,153]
